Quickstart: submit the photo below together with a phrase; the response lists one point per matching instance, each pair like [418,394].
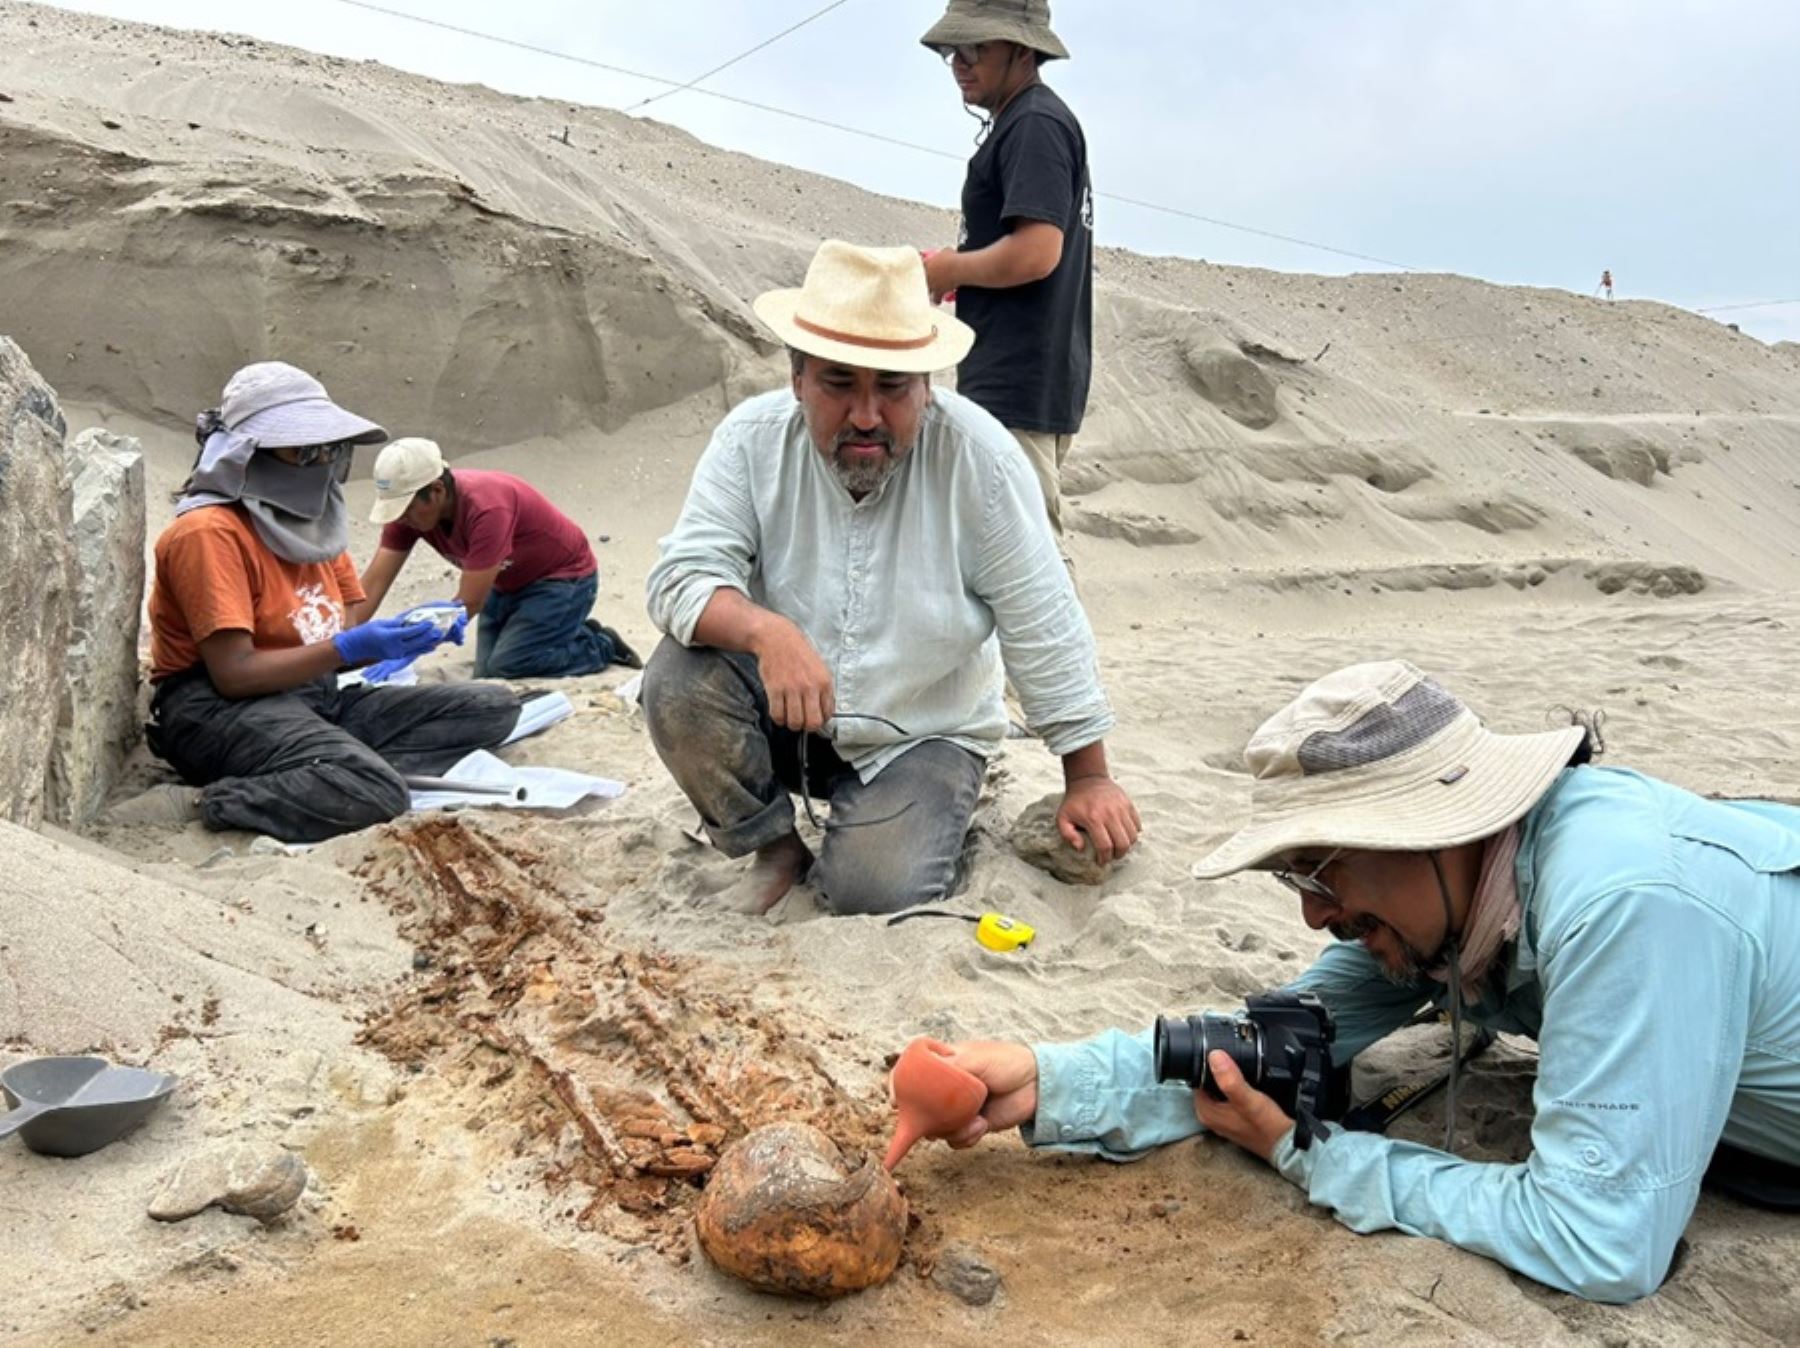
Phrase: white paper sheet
[539,714]
[545,788]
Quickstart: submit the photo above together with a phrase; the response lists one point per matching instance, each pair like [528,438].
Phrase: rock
[259,1182]
[97,721]
[963,1273]
[785,1212]
[37,579]
[1232,382]
[1036,839]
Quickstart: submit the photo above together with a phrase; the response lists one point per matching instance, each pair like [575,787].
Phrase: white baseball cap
[401,469]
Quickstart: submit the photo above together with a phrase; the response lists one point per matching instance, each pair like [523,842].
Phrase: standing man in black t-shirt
[1023,272]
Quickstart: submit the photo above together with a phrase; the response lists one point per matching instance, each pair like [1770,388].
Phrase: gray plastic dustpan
[71,1106]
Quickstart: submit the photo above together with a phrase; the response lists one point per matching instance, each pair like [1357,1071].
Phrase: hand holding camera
[1260,1072]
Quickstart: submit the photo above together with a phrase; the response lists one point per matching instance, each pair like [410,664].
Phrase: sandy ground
[1547,501]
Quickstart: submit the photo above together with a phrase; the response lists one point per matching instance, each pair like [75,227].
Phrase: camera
[1280,1041]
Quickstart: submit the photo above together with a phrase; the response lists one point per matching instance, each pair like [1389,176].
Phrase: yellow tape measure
[996,931]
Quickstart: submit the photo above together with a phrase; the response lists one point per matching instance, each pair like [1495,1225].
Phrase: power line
[1251,229]
[726,65]
[1754,304]
[677,86]
[502,41]
[641,75]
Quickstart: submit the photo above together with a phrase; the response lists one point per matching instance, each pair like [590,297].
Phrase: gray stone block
[97,718]
[37,569]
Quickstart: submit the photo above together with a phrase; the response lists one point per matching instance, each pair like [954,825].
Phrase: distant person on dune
[254,609]
[1647,938]
[1023,271]
[858,558]
[527,568]
[1606,282]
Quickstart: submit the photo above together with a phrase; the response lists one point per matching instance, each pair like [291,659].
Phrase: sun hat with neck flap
[867,307]
[1379,757]
[281,406]
[1026,22]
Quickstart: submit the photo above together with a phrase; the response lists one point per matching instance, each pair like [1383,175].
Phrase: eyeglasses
[832,825]
[968,53]
[306,456]
[1307,883]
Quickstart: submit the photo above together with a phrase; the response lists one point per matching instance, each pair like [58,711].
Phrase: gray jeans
[708,717]
[314,762]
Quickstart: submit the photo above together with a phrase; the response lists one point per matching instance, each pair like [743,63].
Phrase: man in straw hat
[1023,273]
[858,556]
[254,610]
[1647,938]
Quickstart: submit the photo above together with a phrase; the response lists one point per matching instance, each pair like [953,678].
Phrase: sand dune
[1548,500]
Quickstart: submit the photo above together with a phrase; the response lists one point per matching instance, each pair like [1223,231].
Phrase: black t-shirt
[1033,343]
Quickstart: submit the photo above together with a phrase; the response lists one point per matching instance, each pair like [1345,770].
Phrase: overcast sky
[1525,141]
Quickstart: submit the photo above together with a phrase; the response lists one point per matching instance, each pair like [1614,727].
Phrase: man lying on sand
[254,609]
[526,567]
[1647,938]
[857,558]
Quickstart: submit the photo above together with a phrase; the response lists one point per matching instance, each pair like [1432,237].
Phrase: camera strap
[1377,1115]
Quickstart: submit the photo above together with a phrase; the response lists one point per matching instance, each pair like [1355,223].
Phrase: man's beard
[862,477]
[1412,963]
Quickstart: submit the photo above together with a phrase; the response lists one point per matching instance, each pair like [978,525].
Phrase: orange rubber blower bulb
[933,1097]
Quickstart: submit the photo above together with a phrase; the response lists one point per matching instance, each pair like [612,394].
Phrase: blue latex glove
[382,671]
[457,629]
[385,639]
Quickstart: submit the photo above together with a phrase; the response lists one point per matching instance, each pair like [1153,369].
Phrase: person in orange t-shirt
[254,609]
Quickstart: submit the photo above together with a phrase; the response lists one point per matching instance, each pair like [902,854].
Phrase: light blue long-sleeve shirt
[913,596]
[1658,967]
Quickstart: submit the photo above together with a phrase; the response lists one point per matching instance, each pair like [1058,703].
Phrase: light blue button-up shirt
[913,596]
[1658,967]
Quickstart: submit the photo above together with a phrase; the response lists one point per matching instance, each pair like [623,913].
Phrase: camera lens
[1176,1043]
[1181,1043]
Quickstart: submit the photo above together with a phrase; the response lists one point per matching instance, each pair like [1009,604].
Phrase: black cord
[832,825]
[1456,1007]
[908,916]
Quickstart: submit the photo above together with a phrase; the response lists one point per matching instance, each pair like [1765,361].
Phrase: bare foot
[776,869]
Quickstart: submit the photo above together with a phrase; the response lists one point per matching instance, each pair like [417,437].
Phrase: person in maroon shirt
[526,567]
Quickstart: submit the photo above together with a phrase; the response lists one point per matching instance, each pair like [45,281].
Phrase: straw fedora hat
[1379,757]
[1026,22]
[867,307]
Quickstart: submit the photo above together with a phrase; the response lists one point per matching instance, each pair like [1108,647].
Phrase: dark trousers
[541,632]
[315,762]
[708,717]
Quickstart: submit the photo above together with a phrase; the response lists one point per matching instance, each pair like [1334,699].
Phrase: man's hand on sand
[1009,1071]
[795,678]
[1097,810]
[1245,1116]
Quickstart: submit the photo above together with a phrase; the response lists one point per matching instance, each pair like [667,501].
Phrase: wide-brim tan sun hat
[867,307]
[1379,757]
[1026,22]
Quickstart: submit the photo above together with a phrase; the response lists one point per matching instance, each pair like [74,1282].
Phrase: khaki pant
[1048,453]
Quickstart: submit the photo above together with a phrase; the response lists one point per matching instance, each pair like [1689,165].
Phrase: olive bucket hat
[1026,22]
